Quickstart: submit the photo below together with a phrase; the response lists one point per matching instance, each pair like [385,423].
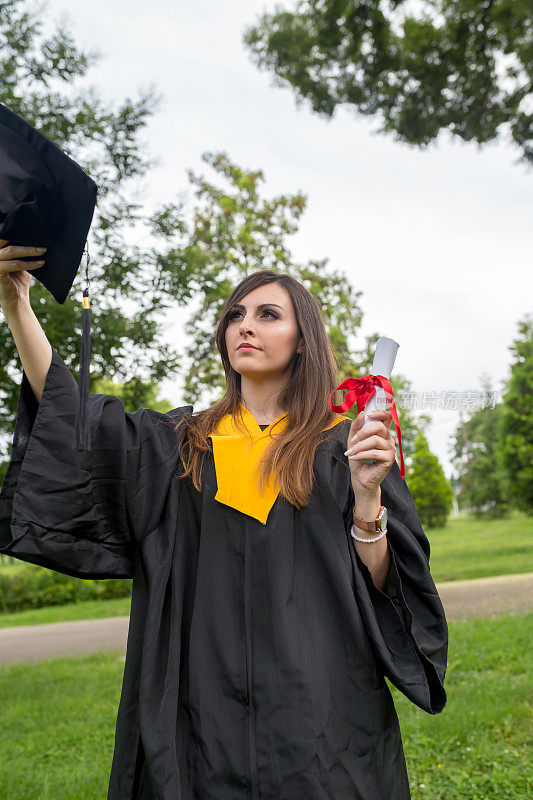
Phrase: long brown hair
[304,399]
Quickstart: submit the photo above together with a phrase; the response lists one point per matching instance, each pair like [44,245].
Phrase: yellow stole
[237,458]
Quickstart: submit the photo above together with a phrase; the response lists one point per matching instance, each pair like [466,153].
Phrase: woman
[260,629]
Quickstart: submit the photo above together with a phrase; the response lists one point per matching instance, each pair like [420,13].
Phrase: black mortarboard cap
[47,200]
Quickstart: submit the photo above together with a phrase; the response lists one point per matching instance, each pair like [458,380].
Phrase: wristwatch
[378,524]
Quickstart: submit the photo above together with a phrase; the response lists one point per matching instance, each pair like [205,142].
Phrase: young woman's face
[272,330]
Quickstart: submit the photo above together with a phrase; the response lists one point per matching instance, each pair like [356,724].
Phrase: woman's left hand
[373,441]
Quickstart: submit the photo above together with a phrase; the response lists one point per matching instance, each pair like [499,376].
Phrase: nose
[244,327]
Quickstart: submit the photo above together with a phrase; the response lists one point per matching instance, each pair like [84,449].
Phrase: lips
[247,347]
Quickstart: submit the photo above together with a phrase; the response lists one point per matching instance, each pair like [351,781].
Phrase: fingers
[11,255]
[383,415]
[12,252]
[19,266]
[383,456]
[373,428]
[374,416]
[377,442]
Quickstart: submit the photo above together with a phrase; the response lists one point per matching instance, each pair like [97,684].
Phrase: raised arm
[34,349]
[81,513]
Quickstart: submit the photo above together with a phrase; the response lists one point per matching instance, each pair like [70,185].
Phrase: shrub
[37,587]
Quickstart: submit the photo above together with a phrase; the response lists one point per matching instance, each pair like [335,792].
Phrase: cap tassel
[82,431]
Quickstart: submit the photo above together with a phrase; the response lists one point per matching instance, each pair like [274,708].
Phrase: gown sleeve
[84,513]
[406,624]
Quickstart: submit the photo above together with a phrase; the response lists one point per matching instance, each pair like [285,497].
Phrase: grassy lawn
[465,548]
[477,748]
[89,609]
[469,548]
[58,717]
[11,569]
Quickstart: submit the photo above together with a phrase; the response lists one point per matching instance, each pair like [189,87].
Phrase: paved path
[37,642]
[487,597]
[483,597]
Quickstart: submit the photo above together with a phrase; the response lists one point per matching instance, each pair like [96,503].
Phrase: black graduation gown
[256,653]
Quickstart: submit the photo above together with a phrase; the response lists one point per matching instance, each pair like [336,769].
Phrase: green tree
[516,441]
[464,66]
[38,81]
[477,458]
[431,490]
[151,394]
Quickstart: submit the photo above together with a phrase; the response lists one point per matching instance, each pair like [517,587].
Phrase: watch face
[384,518]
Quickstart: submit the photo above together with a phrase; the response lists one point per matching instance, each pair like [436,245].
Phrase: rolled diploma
[384,358]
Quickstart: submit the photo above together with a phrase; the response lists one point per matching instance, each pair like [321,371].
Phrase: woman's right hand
[15,280]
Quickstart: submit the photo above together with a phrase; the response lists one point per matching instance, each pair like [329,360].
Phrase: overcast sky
[438,240]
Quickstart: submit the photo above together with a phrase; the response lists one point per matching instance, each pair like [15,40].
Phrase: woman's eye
[233,314]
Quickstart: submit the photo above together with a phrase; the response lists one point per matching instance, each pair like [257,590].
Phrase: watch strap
[371,526]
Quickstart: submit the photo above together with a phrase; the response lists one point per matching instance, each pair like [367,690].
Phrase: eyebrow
[263,305]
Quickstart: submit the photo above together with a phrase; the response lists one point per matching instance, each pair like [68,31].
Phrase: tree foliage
[516,438]
[429,487]
[477,457]
[38,81]
[465,66]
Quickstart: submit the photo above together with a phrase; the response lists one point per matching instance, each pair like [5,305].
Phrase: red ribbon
[360,390]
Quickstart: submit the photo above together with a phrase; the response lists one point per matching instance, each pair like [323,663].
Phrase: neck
[262,398]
